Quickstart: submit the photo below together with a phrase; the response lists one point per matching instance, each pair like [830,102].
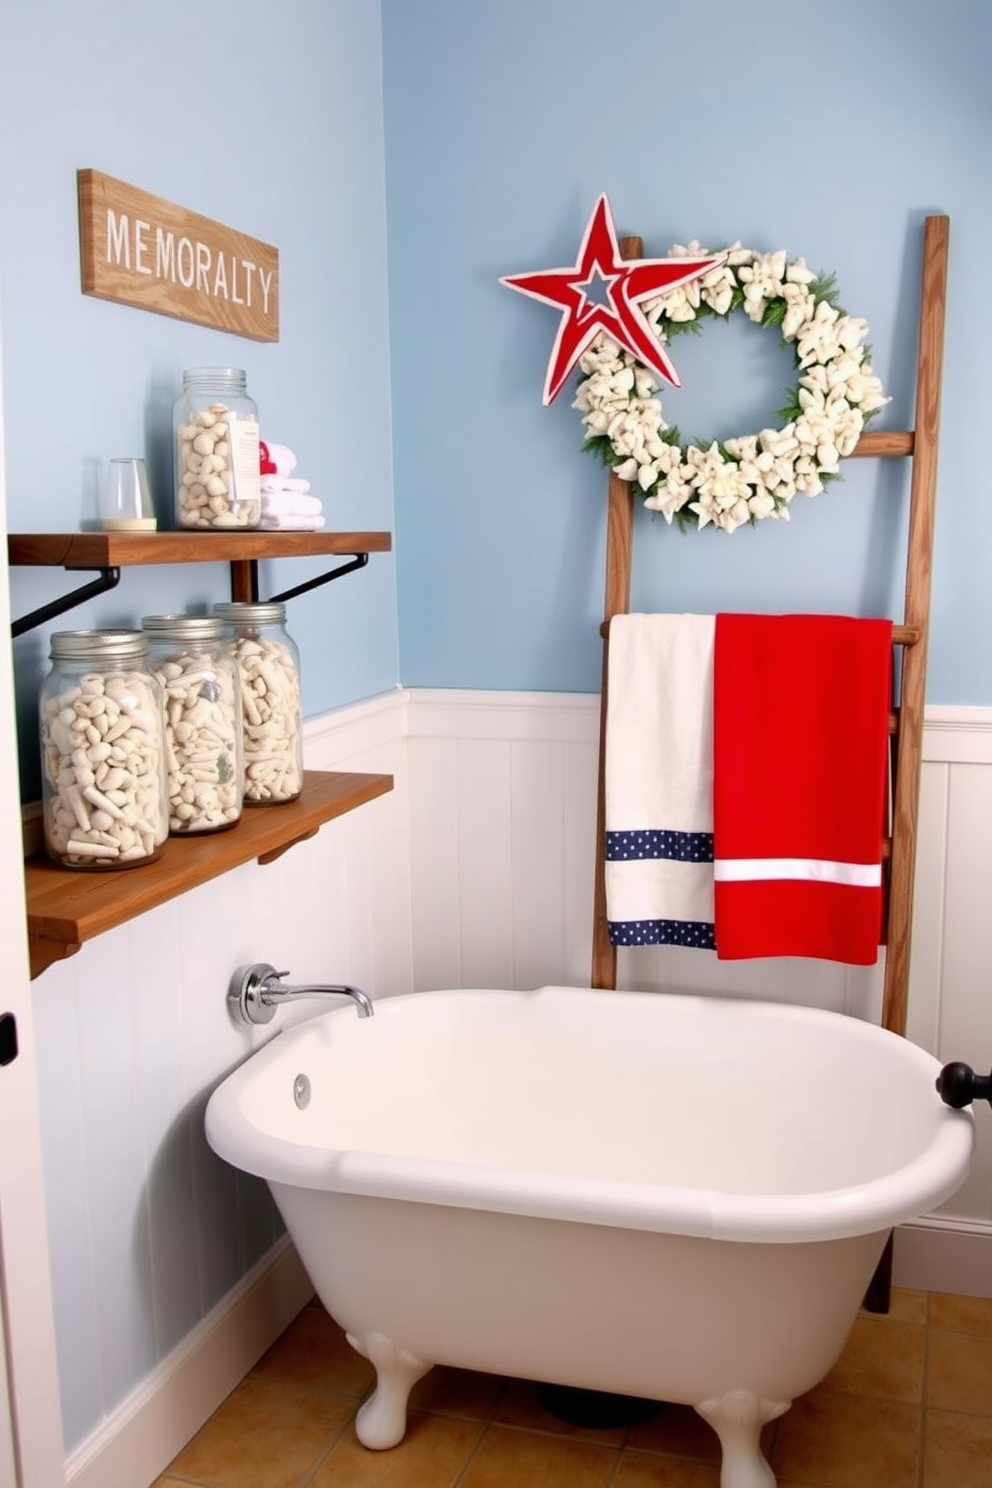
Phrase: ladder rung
[902,635]
[886,442]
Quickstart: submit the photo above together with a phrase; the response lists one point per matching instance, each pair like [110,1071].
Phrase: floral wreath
[744,479]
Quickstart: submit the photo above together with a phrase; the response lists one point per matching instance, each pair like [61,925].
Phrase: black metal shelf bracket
[109,579]
[359,561]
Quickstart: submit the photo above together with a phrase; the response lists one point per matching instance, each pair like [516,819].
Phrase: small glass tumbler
[128,504]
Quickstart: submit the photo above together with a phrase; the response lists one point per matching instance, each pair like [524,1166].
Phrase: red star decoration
[625,283]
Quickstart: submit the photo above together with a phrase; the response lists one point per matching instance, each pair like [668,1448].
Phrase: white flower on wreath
[744,479]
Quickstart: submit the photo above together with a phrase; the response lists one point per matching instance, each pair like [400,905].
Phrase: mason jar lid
[183,627]
[97,645]
[246,612]
[225,377]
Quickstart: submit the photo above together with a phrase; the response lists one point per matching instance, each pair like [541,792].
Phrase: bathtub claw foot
[381,1421]
[737,1419]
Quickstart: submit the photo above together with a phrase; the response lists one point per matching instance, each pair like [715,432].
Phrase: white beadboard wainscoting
[171,1272]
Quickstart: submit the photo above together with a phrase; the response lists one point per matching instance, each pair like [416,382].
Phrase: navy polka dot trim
[695,933]
[680,847]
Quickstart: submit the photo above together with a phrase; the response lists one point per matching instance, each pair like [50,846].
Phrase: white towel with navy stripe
[659,780]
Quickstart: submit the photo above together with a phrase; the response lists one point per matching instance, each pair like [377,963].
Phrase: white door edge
[31,1449]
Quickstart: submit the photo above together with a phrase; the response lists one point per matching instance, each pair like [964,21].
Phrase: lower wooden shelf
[66,907]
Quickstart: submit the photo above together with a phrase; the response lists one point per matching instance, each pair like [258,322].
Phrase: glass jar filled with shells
[217,470]
[269,667]
[202,693]
[102,724]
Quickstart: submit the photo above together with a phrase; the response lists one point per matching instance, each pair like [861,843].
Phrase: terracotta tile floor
[908,1405]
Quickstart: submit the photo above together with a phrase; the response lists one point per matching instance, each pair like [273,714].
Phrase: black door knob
[958,1085]
[8,1038]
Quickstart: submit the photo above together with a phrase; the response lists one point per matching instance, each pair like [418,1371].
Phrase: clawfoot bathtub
[673,1197]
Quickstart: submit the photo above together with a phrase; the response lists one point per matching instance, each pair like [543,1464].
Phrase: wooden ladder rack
[910,638]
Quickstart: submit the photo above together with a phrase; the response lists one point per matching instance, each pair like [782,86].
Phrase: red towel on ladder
[800,775]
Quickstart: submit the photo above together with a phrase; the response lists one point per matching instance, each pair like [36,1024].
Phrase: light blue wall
[828,131]
[267,118]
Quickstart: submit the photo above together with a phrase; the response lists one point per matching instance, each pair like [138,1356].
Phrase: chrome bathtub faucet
[257,990]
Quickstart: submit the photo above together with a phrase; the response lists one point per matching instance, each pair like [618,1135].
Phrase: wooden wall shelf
[106,553]
[67,907]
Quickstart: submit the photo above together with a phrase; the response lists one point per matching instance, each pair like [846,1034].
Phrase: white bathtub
[673,1197]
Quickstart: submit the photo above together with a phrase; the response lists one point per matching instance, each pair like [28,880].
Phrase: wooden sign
[141,250]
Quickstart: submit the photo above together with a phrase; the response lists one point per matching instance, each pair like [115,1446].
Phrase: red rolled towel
[800,775]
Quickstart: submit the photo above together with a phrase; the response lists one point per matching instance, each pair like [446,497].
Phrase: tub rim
[825,1214]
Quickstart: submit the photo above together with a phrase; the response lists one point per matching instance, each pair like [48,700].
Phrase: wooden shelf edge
[66,907]
[123,549]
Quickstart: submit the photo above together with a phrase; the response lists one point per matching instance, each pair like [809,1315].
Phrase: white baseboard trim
[133,1445]
[939,1255]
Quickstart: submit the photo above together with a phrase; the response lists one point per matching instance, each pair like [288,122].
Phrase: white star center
[596,290]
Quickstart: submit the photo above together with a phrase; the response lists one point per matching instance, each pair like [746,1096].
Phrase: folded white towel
[659,780]
[276,483]
[287,522]
[291,504]
[282,458]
